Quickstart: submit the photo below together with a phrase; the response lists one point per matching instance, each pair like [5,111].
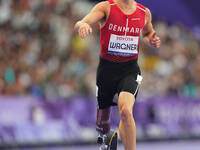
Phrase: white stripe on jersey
[141,8]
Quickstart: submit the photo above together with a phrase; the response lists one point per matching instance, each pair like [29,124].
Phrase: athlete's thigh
[105,96]
[127,90]
[106,88]
[129,84]
[126,100]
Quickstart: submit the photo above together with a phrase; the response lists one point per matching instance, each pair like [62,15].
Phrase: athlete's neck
[125,3]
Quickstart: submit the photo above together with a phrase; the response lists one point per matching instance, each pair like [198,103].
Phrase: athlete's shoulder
[103,4]
[141,6]
[147,10]
[101,7]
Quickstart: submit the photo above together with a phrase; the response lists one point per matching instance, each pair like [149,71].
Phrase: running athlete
[121,24]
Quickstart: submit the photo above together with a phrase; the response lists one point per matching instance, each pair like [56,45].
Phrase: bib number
[123,45]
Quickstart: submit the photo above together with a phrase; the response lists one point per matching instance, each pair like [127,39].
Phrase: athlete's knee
[126,102]
[126,114]
[103,121]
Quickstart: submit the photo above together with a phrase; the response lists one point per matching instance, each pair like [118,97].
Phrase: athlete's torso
[119,37]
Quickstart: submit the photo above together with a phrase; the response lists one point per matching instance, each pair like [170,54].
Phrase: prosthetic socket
[103,121]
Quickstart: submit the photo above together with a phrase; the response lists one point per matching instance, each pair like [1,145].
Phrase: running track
[180,145]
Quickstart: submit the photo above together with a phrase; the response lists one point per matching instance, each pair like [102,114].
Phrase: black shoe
[108,141]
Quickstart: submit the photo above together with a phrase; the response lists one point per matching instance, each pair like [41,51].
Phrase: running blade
[113,141]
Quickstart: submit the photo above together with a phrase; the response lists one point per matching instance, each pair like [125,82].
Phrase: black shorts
[113,78]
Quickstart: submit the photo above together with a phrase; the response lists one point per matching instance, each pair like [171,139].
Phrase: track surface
[180,145]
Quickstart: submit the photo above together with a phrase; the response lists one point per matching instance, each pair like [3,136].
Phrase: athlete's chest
[129,24]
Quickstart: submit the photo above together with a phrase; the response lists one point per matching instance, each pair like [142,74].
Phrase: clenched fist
[84,30]
[155,41]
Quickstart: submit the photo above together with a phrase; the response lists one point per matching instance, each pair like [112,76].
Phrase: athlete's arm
[149,34]
[97,13]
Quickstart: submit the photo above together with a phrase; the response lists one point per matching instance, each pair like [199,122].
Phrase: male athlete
[121,24]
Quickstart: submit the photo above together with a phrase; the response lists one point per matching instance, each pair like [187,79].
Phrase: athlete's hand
[155,41]
[84,30]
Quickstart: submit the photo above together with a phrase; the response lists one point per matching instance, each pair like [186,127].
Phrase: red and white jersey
[119,38]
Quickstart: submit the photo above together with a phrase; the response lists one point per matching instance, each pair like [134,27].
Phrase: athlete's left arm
[149,35]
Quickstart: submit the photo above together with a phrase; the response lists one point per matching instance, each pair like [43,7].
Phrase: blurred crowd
[41,55]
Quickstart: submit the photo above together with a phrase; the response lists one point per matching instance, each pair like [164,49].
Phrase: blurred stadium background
[47,77]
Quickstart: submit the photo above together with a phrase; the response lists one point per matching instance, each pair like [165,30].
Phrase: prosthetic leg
[107,139]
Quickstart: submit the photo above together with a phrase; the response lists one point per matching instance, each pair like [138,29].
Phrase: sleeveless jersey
[119,37]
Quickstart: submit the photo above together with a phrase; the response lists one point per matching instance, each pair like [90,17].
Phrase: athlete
[121,23]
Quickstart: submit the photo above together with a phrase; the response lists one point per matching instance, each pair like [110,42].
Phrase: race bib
[123,45]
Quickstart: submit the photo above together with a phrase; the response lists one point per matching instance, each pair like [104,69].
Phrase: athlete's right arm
[96,14]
